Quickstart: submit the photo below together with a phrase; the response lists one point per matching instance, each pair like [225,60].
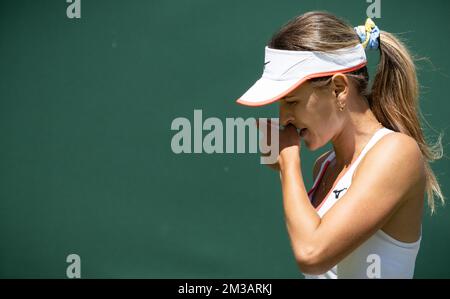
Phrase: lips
[300,130]
[303,132]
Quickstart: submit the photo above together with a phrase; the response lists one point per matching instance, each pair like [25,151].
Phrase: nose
[286,116]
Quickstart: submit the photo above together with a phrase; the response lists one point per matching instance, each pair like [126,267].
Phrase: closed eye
[289,102]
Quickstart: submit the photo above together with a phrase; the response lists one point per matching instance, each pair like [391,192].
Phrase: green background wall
[86,163]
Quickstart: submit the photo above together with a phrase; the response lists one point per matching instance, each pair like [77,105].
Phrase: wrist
[289,158]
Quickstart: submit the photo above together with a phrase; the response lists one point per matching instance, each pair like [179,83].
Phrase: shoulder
[395,160]
[397,148]
[319,162]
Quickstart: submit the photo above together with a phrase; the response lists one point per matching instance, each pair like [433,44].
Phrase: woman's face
[315,109]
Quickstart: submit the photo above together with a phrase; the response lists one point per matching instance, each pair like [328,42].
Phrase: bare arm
[319,244]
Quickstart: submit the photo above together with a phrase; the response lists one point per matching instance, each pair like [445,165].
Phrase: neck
[353,136]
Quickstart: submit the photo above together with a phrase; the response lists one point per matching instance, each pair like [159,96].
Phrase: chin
[312,148]
[311,145]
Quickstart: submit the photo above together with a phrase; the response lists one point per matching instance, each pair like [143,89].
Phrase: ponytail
[394,101]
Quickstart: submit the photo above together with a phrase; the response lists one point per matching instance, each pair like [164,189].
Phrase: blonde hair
[393,97]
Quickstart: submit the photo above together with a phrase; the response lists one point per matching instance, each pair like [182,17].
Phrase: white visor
[285,70]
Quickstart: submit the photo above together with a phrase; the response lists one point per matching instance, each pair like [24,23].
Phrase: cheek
[312,115]
[319,119]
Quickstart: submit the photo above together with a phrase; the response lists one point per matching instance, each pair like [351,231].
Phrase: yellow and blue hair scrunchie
[369,35]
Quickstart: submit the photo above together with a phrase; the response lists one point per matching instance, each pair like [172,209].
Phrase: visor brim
[266,91]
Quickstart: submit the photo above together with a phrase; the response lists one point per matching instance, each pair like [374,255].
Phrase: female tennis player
[362,217]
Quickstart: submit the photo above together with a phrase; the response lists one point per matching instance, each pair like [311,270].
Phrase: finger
[291,127]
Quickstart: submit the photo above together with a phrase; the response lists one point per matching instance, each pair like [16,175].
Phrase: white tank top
[381,256]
